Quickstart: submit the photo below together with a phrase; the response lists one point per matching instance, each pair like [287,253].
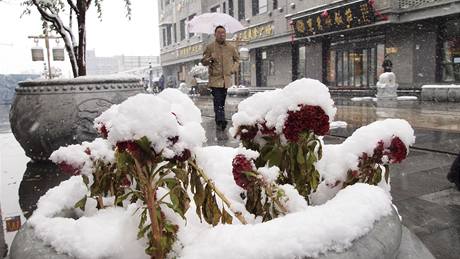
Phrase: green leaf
[85,179]
[171,183]
[273,157]
[124,160]
[181,174]
[142,231]
[143,219]
[320,150]
[123,197]
[207,205]
[300,156]
[144,144]
[226,217]
[216,214]
[81,203]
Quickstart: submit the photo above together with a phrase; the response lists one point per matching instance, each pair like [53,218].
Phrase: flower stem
[238,214]
[155,224]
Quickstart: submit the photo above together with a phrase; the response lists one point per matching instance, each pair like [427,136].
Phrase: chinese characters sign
[256,32]
[192,50]
[336,19]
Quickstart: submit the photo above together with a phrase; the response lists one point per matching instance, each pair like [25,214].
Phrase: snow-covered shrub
[285,128]
[147,158]
[149,184]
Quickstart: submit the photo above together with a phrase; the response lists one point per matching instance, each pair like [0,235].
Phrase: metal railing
[414,4]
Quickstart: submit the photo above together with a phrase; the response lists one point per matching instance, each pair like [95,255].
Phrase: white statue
[387,86]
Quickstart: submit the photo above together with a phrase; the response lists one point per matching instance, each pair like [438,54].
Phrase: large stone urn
[47,114]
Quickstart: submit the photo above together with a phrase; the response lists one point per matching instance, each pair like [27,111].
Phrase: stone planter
[47,114]
[382,241]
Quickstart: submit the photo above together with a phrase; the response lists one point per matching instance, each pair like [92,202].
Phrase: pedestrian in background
[454,173]
[161,82]
[223,61]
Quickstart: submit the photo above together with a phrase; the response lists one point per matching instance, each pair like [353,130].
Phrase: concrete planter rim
[382,241]
[80,80]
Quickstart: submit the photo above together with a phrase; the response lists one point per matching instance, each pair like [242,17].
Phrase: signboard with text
[192,50]
[335,19]
[256,32]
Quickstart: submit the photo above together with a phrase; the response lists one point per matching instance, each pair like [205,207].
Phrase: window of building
[450,52]
[215,9]
[190,18]
[275,4]
[175,32]
[259,7]
[182,29]
[224,7]
[167,2]
[241,10]
[168,34]
[164,36]
[230,7]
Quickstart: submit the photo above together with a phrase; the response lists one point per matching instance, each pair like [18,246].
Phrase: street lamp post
[244,56]
[46,37]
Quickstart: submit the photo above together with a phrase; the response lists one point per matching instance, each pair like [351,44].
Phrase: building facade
[341,43]
[117,64]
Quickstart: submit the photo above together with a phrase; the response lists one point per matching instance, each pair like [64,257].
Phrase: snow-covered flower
[241,165]
[308,118]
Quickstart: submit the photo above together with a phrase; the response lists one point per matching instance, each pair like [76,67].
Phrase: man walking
[223,61]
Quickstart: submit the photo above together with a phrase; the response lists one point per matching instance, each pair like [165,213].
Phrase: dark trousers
[219,95]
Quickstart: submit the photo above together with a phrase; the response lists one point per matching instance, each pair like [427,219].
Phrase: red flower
[241,165]
[125,182]
[247,132]
[132,147]
[103,131]
[267,131]
[68,169]
[324,13]
[308,118]
[88,151]
[398,150]
[378,152]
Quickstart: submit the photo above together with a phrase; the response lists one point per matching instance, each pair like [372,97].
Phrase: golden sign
[191,50]
[256,32]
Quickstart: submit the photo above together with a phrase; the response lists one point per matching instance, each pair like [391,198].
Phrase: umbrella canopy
[207,22]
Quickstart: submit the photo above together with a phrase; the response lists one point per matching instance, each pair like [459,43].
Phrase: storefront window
[331,68]
[354,68]
[450,57]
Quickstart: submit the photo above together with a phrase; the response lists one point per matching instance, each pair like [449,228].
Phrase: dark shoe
[221,125]
[221,135]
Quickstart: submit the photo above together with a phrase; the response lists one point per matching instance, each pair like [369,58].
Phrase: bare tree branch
[60,28]
[73,6]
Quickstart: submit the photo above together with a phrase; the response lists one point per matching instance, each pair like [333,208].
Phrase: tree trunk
[81,54]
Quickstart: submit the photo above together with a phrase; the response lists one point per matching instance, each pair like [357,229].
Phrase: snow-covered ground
[374,99]
[12,167]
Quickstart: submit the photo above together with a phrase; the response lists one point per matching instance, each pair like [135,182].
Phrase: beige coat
[227,61]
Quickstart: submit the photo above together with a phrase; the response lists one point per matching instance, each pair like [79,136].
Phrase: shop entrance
[262,67]
[354,64]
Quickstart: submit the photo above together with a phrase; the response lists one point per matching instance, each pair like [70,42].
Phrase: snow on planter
[282,194]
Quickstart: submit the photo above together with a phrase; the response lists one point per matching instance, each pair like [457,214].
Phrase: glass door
[352,68]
